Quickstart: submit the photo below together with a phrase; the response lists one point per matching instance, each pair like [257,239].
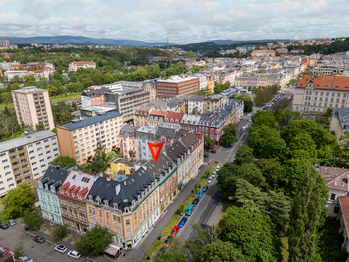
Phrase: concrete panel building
[26,158]
[79,138]
[176,85]
[32,106]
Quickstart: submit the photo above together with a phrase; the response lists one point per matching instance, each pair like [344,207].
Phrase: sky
[182,21]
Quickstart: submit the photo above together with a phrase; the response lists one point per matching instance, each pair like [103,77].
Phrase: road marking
[219,149]
[206,206]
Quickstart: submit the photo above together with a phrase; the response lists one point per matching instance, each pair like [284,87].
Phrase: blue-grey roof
[90,121]
[54,176]
[121,193]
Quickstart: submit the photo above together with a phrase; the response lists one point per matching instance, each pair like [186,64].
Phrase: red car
[213,151]
[175,230]
[5,250]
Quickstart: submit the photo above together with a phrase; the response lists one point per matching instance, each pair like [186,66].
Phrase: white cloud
[211,5]
[9,16]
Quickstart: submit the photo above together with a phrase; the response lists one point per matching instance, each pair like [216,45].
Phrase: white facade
[202,80]
[197,105]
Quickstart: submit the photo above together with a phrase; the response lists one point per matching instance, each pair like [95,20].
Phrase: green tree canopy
[208,141]
[283,116]
[60,231]
[18,201]
[251,233]
[88,243]
[244,155]
[264,118]
[33,219]
[39,127]
[176,252]
[221,251]
[259,136]
[229,136]
[61,113]
[64,161]
[305,217]
[274,147]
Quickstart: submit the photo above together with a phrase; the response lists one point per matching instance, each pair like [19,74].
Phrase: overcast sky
[182,21]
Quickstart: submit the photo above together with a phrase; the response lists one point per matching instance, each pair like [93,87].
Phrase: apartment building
[144,135]
[141,116]
[176,85]
[79,138]
[196,104]
[127,209]
[127,100]
[211,103]
[317,93]
[339,123]
[32,106]
[120,167]
[128,141]
[227,76]
[19,73]
[47,189]
[74,66]
[211,125]
[93,97]
[326,70]
[71,196]
[164,135]
[190,122]
[150,86]
[173,120]
[26,158]
[263,53]
[157,118]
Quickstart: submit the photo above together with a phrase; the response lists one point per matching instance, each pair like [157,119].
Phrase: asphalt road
[16,236]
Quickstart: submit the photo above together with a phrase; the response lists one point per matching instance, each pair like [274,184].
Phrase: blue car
[200,193]
[182,222]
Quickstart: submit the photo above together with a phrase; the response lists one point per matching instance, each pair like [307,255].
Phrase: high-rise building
[32,106]
[26,158]
[176,85]
[4,42]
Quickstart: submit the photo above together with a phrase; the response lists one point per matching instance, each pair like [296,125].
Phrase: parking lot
[16,236]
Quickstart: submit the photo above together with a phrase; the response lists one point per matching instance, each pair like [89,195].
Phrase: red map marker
[155,150]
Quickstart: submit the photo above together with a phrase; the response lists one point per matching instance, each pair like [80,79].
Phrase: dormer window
[68,193]
[61,190]
[72,194]
[80,197]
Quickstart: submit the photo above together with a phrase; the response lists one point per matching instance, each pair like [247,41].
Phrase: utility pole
[167,42]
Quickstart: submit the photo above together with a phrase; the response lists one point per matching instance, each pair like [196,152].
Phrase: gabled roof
[174,115]
[325,82]
[158,113]
[176,150]
[335,178]
[164,131]
[123,194]
[54,176]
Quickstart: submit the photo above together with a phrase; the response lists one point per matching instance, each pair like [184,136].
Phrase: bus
[190,210]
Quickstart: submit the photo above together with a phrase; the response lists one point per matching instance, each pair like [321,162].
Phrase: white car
[217,168]
[26,259]
[62,249]
[209,180]
[214,174]
[74,254]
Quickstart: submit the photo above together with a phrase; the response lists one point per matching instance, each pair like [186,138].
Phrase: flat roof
[89,121]
[177,79]
[25,139]
[29,89]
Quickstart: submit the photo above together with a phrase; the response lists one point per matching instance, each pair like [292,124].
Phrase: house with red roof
[157,118]
[74,66]
[173,120]
[71,196]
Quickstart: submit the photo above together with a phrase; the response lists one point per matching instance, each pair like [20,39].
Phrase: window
[107,216]
[119,220]
[128,222]
[100,213]
[114,218]
[128,233]
[333,196]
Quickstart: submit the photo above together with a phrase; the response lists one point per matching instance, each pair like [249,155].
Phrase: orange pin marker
[155,150]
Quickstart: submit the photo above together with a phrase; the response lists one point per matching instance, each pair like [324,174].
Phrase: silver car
[209,180]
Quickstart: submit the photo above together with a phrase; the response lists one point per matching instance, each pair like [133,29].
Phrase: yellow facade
[210,85]
[119,167]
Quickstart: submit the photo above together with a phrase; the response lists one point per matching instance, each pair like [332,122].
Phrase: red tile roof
[82,62]
[325,82]
[173,115]
[335,178]
[159,113]
[344,204]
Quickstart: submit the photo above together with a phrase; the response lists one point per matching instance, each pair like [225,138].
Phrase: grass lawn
[157,244]
[60,98]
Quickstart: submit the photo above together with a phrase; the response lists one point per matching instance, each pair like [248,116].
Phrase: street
[16,236]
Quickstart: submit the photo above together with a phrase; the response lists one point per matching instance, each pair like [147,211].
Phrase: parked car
[174,230]
[209,180]
[27,227]
[213,151]
[218,167]
[4,226]
[62,249]
[26,259]
[39,240]
[204,188]
[206,155]
[167,241]
[214,174]
[11,222]
[182,222]
[74,254]
[200,193]
[5,250]
[195,202]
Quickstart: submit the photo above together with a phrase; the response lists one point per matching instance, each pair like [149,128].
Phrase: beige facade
[79,139]
[141,116]
[25,159]
[32,106]
[326,70]
[74,66]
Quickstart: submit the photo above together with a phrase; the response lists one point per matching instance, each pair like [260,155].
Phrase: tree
[302,146]
[39,127]
[305,217]
[259,136]
[244,155]
[248,104]
[208,141]
[176,252]
[270,204]
[264,118]
[64,161]
[61,231]
[252,233]
[274,147]
[220,251]
[20,252]
[18,201]
[61,113]
[229,136]
[33,219]
[283,116]
[94,241]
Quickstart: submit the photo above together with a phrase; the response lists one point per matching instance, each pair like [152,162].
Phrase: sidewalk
[68,243]
[137,253]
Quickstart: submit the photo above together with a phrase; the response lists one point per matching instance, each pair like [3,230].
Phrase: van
[190,210]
